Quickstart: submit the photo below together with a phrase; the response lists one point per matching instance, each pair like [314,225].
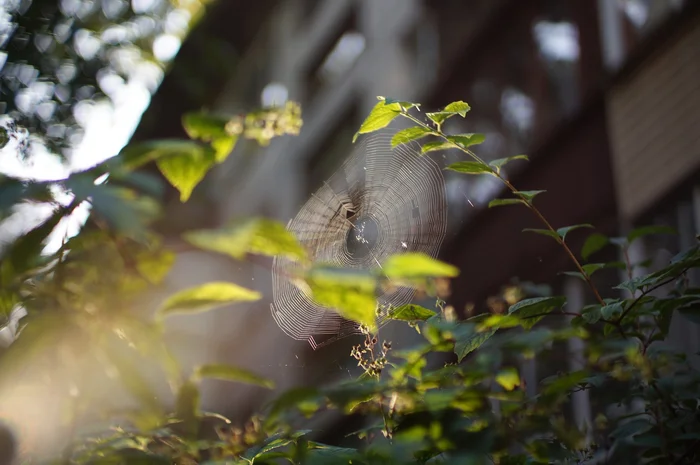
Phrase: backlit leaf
[508,379]
[467,140]
[351,293]
[256,235]
[408,135]
[230,373]
[411,312]
[455,108]
[417,265]
[470,167]
[207,296]
[435,145]
[381,115]
[184,170]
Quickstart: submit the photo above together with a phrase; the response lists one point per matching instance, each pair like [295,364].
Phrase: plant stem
[528,202]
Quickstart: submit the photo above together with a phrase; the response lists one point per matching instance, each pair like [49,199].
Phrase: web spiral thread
[399,192]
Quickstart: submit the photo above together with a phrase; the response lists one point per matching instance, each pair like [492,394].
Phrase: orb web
[380,202]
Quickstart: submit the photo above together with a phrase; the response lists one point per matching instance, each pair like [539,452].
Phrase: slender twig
[646,292]
[528,202]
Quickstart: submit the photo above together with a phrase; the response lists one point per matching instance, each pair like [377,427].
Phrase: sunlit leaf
[470,167]
[435,145]
[256,235]
[417,265]
[411,312]
[185,170]
[508,379]
[207,296]
[403,103]
[409,134]
[135,155]
[381,115]
[455,108]
[230,373]
[351,293]
[212,129]
[467,140]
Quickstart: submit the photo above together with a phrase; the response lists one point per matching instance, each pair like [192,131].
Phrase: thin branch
[528,202]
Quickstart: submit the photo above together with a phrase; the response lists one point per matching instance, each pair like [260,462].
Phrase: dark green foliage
[471,408]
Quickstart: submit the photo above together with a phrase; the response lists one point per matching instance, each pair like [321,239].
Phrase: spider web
[380,202]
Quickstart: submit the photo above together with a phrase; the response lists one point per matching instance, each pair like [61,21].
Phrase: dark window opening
[337,57]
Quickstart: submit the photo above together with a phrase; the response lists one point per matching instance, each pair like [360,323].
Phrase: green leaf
[501,162]
[230,373]
[567,229]
[411,312]
[502,202]
[592,268]
[256,235]
[351,293]
[381,115]
[533,310]
[593,244]
[205,126]
[185,170]
[470,167]
[136,155]
[435,145]
[612,310]
[417,265]
[205,297]
[469,339]
[455,108]
[467,140]
[529,195]
[187,407]
[508,379]
[403,103]
[544,232]
[212,129]
[591,313]
[649,230]
[408,135]
[574,274]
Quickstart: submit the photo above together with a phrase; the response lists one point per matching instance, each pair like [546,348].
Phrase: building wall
[654,116]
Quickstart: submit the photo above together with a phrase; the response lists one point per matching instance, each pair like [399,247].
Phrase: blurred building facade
[603,96]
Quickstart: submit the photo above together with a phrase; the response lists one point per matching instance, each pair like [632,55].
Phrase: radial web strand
[380,202]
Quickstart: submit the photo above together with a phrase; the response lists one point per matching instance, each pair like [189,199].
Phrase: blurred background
[603,96]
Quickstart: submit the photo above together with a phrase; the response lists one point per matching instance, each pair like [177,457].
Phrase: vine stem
[528,202]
